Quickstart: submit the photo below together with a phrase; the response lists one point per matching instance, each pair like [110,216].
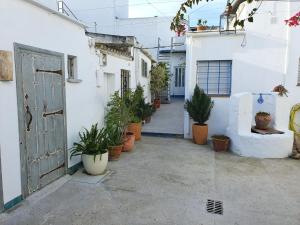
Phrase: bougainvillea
[294,20]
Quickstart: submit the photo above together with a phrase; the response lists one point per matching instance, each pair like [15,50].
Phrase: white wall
[102,12]
[143,81]
[259,57]
[147,31]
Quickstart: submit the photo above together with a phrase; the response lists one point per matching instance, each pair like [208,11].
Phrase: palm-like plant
[92,142]
[200,106]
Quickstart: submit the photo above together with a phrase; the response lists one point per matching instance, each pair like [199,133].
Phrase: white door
[179,81]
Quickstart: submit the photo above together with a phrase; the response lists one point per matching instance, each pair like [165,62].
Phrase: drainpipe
[287,53]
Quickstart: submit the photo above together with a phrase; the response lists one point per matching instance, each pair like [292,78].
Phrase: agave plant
[92,142]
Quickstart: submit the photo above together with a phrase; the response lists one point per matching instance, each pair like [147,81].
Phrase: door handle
[53,113]
[29,120]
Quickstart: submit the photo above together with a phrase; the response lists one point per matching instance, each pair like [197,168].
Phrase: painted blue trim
[73,169]
[13,202]
[163,135]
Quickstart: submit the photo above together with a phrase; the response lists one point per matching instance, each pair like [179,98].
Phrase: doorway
[42,123]
[179,81]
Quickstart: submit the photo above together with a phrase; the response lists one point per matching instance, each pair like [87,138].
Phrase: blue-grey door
[41,104]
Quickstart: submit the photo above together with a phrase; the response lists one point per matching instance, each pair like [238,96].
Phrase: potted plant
[117,120]
[220,143]
[262,120]
[159,81]
[147,113]
[199,109]
[201,25]
[115,142]
[134,101]
[93,150]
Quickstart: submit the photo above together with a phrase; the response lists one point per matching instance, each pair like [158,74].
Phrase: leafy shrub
[199,108]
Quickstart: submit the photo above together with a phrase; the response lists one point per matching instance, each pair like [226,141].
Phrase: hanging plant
[179,27]
[294,20]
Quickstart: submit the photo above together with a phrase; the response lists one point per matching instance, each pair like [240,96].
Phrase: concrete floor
[167,182]
[168,119]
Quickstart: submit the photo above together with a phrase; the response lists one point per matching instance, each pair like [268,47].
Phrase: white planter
[95,166]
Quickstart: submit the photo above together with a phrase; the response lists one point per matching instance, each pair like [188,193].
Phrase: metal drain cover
[214,207]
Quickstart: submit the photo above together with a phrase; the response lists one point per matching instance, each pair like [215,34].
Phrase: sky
[206,10]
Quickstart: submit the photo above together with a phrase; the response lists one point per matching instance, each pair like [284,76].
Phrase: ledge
[74,81]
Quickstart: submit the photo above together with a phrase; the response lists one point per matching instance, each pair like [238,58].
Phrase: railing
[64,9]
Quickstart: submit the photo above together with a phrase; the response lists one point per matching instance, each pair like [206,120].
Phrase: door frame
[20,101]
[1,187]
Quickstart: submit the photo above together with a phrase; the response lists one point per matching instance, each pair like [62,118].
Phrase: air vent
[214,207]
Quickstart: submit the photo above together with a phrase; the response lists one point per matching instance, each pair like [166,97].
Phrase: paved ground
[167,182]
[168,119]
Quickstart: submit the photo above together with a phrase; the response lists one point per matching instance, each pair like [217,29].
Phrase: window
[179,76]
[125,81]
[298,82]
[214,77]
[72,67]
[144,68]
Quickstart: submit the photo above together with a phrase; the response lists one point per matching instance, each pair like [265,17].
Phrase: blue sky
[206,10]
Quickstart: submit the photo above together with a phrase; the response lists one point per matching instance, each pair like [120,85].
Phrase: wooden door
[41,104]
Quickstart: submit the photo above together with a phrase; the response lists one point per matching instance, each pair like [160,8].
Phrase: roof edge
[41,6]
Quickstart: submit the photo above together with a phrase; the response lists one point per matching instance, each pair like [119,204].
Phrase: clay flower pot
[128,142]
[114,152]
[95,165]
[200,134]
[262,120]
[136,129]
[156,103]
[220,143]
[201,28]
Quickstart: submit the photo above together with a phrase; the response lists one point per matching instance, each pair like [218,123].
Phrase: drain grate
[214,207]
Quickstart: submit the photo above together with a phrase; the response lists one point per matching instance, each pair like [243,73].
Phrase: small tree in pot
[159,81]
[93,149]
[199,109]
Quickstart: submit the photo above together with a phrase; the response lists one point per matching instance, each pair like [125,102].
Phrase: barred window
[144,68]
[214,77]
[125,81]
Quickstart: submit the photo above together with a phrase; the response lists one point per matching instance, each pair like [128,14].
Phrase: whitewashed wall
[85,101]
[147,31]
[139,79]
[103,12]
[260,55]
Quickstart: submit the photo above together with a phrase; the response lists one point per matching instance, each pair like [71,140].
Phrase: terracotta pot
[128,142]
[114,152]
[148,119]
[221,143]
[200,133]
[262,121]
[136,129]
[157,103]
[201,28]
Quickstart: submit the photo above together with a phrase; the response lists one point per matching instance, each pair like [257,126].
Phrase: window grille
[214,77]
[298,82]
[179,76]
[125,81]
[144,68]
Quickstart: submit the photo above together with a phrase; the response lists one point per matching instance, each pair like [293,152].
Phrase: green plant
[177,24]
[135,102]
[202,22]
[148,110]
[159,79]
[92,142]
[115,135]
[117,113]
[199,108]
[263,114]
